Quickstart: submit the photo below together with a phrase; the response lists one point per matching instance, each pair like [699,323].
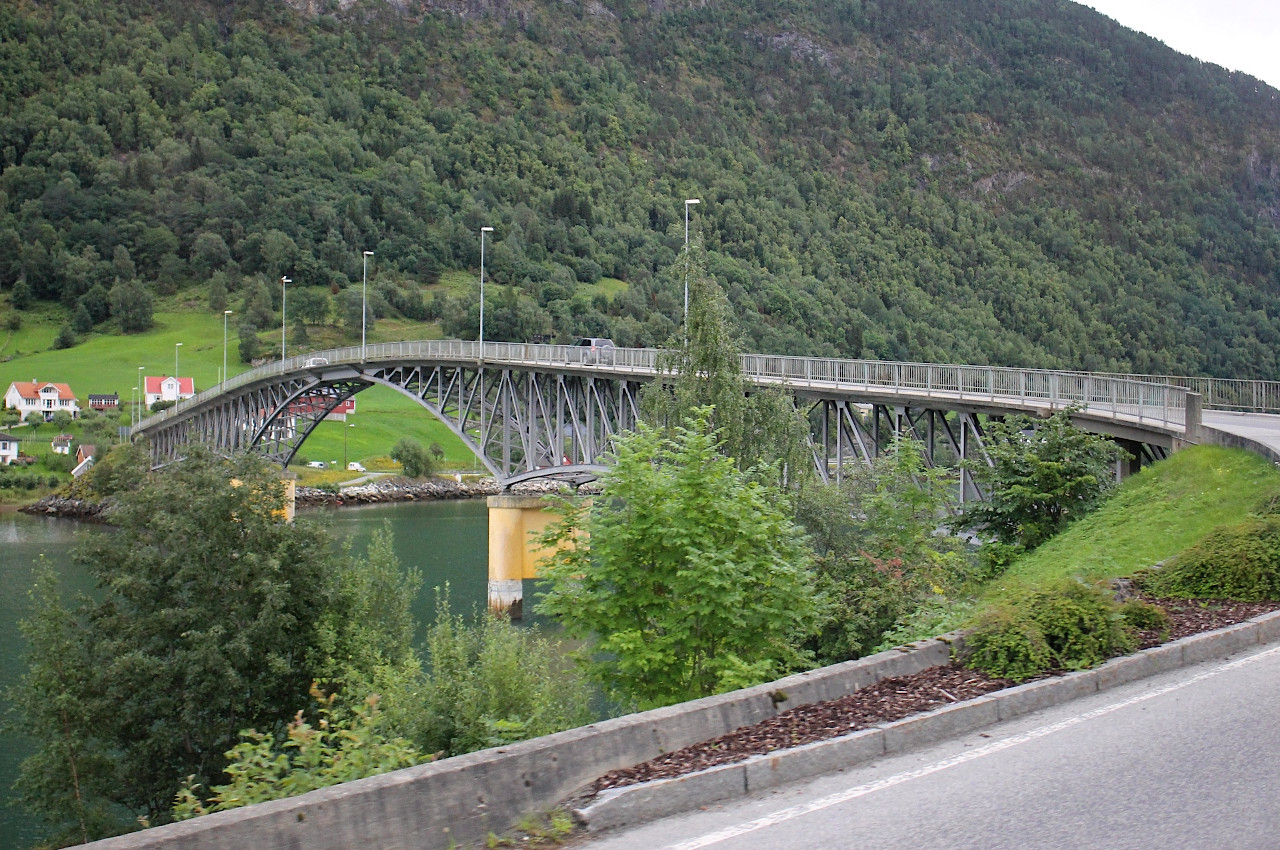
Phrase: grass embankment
[1154,515]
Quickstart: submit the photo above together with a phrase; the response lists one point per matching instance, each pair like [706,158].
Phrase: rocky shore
[396,490]
[68,508]
[374,492]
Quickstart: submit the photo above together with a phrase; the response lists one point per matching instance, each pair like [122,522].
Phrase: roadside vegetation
[230,657]
[1200,525]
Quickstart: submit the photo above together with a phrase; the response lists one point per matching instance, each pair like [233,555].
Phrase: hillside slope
[1019,182]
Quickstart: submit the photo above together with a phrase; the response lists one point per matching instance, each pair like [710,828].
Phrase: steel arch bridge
[536,411]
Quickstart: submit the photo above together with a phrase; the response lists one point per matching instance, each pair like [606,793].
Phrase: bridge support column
[513,555]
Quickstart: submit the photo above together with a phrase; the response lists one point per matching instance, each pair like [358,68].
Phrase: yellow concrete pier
[513,555]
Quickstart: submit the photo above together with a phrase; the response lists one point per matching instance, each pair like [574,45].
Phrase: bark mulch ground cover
[894,699]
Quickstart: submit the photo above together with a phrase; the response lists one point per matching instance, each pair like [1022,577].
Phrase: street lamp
[225,314]
[176,346]
[142,393]
[283,281]
[364,303]
[688,203]
[483,231]
[345,432]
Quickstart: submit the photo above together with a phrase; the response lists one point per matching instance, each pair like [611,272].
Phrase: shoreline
[376,492]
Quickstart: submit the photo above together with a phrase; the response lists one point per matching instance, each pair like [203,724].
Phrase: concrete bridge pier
[513,555]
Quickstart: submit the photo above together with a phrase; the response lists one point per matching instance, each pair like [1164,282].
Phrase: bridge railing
[1223,393]
[1120,396]
[1147,400]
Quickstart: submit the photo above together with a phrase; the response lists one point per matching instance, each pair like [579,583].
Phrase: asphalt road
[1183,761]
[1263,427]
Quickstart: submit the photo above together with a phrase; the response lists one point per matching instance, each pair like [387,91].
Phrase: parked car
[354,467]
[599,349]
[317,361]
[317,464]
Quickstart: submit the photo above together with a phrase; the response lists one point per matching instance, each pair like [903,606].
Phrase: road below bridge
[1190,760]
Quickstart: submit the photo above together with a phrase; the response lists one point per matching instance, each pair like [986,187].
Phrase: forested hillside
[1019,182]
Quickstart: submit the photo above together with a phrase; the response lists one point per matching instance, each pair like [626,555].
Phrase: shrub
[493,683]
[341,747]
[1236,562]
[1141,616]
[1070,626]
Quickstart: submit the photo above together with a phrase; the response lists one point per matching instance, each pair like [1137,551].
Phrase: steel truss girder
[523,423]
[520,423]
[844,434]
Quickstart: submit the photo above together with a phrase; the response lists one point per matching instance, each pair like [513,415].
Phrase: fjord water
[447,541]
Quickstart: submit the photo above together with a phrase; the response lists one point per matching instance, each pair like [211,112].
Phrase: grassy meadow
[108,363]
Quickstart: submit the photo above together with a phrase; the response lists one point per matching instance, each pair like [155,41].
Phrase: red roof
[31,390]
[186,386]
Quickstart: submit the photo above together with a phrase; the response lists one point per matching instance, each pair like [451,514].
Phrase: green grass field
[107,363]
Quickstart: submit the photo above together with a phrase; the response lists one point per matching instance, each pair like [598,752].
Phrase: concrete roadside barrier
[461,800]
[646,801]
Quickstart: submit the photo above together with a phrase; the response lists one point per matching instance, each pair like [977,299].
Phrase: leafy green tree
[310,305]
[878,549]
[66,337]
[211,619]
[250,346]
[20,298]
[415,460]
[1043,474]
[131,306]
[82,321]
[694,580]
[68,782]
[98,302]
[759,429]
[62,420]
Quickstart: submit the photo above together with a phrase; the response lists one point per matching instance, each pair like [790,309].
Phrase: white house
[43,399]
[61,444]
[8,450]
[168,389]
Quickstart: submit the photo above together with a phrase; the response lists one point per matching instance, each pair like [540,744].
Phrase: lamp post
[483,231]
[688,203]
[176,346]
[225,314]
[345,432]
[364,303]
[142,392]
[283,281]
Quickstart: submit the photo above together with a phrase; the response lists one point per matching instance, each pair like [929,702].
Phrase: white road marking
[839,797]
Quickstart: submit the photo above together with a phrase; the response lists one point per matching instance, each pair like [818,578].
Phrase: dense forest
[1020,182]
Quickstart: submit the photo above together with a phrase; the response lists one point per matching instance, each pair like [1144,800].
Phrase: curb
[634,804]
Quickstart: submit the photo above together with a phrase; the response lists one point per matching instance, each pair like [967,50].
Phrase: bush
[1142,616]
[1239,562]
[492,683]
[1070,626]
[415,460]
[341,747]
